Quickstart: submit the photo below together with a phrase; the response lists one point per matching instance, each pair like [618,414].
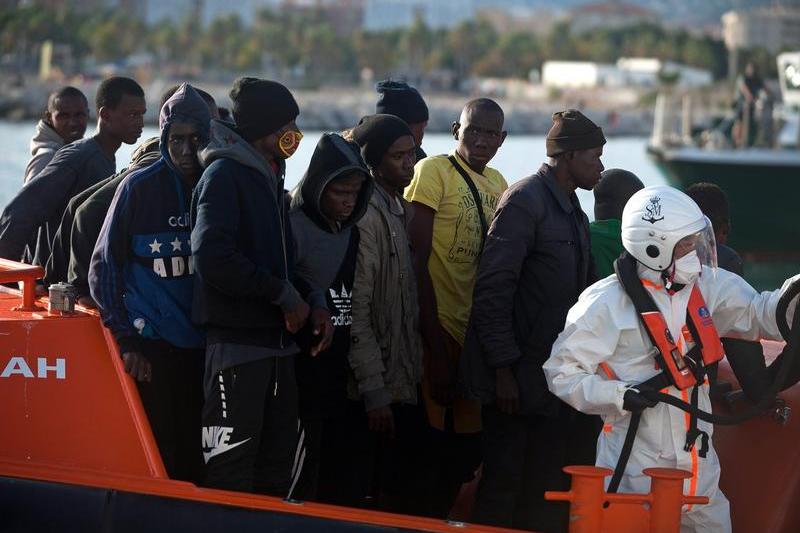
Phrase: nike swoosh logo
[222,449]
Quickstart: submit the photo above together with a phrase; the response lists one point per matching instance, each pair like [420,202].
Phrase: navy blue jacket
[141,274]
[242,246]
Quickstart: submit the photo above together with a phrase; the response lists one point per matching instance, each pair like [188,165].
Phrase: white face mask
[687,268]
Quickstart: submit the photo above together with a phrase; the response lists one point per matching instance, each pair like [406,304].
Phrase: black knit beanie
[376,133]
[401,100]
[261,107]
[572,131]
[615,188]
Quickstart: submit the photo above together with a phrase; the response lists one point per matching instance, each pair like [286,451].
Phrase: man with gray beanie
[246,296]
[535,263]
[610,196]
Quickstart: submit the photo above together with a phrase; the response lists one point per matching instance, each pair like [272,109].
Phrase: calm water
[520,156]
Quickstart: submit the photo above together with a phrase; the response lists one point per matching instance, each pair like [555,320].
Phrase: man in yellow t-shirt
[447,231]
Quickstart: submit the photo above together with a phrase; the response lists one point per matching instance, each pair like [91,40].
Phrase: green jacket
[606,238]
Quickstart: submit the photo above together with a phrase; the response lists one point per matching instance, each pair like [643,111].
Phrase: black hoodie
[325,258]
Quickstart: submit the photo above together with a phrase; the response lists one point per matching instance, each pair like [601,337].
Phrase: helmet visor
[702,243]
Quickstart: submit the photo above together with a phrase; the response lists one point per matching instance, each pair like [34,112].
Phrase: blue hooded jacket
[141,273]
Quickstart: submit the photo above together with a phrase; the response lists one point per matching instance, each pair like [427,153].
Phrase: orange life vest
[701,336]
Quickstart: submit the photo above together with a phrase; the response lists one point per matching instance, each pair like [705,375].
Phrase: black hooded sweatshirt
[325,258]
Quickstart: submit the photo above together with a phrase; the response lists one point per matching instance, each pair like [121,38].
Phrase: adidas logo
[343,302]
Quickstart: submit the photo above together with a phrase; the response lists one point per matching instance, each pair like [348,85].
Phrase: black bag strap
[693,433]
[475,196]
[657,382]
[625,453]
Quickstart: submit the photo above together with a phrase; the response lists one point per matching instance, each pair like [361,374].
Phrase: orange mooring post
[586,497]
[593,510]
[666,489]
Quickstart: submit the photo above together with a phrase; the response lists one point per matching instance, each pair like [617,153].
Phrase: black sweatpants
[523,458]
[250,426]
[374,470]
[336,459]
[173,400]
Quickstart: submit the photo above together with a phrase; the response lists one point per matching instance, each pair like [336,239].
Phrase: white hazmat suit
[604,350]
[603,328]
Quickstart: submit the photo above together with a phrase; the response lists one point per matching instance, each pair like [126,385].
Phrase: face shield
[692,253]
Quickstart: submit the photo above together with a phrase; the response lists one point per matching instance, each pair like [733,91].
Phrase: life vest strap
[686,370]
[694,432]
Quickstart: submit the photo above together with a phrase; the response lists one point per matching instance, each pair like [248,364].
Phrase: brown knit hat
[572,131]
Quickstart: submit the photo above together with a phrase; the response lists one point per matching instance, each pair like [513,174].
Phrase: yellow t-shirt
[453,263]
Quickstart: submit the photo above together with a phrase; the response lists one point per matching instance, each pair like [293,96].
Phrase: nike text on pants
[250,426]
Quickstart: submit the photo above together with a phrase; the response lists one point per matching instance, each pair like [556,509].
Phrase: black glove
[635,402]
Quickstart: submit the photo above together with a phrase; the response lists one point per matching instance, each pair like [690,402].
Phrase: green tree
[324,53]
[416,44]
[376,52]
[468,43]
[289,40]
[163,41]
[222,43]
[514,56]
[559,43]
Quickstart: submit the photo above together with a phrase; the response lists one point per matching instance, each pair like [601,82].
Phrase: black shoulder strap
[625,268]
[475,196]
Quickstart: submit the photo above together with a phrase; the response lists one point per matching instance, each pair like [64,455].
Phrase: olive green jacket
[386,349]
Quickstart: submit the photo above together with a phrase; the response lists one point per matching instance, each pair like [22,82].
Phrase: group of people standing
[369,339]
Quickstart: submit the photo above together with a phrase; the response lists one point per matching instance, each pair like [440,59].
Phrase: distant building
[517,19]
[344,16]
[609,15]
[82,6]
[774,28]
[176,11]
[648,71]
[628,72]
[579,74]
[389,14]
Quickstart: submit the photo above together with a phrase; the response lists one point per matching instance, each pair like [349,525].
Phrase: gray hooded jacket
[44,145]
[319,245]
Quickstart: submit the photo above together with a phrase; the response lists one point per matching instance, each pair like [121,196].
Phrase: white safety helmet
[656,218]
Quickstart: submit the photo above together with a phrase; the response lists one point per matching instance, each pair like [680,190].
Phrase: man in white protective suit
[605,351]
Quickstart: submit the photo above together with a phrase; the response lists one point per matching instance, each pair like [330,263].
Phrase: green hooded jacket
[606,236]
